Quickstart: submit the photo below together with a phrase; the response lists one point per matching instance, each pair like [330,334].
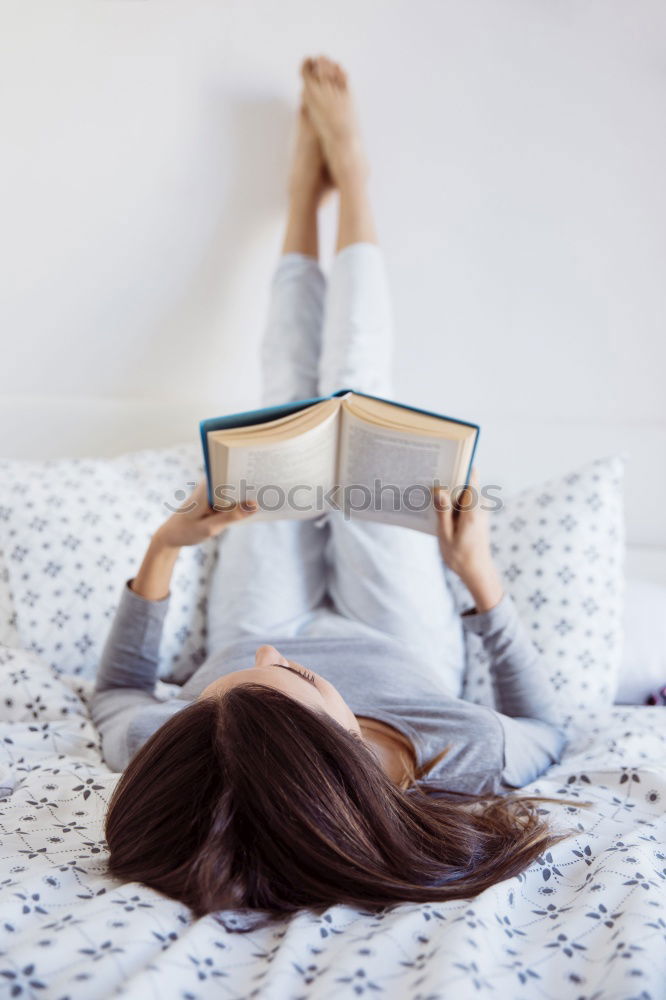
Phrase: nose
[266,655]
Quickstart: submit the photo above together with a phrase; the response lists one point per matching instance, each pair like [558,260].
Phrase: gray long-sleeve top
[383,678]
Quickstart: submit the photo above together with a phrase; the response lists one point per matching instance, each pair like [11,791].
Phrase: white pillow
[73,530]
[643,668]
[559,547]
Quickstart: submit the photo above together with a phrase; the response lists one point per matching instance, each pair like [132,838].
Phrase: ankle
[352,181]
[350,170]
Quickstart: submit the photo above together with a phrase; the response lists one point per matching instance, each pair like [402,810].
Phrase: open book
[365,456]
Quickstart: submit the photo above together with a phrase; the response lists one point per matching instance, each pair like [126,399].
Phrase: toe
[309,88]
[328,68]
[340,75]
[310,70]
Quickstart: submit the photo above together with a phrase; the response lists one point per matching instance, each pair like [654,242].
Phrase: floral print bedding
[587,920]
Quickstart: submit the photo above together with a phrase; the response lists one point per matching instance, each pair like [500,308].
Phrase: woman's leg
[269,576]
[357,326]
[381,576]
[292,338]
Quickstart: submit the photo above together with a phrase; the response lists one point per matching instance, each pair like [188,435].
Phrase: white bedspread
[587,921]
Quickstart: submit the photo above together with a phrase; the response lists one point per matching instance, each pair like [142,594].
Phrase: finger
[444,512]
[465,500]
[240,511]
[439,497]
[217,521]
[248,507]
[472,492]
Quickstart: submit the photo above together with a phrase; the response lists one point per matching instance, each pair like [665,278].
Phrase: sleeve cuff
[485,622]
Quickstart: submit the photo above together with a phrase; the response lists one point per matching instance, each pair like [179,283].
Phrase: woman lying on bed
[320,754]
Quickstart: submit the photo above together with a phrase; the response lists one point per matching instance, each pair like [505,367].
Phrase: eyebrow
[295,671]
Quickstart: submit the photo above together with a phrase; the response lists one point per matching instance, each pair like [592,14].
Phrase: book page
[404,418]
[280,428]
[386,475]
[288,478]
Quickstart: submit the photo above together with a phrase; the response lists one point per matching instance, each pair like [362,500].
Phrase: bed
[587,920]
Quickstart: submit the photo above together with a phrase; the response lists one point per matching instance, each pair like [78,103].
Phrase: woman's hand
[464,542]
[193,523]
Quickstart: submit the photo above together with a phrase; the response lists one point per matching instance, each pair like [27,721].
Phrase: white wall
[519,156]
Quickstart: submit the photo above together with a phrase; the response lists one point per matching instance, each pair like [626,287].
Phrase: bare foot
[308,176]
[328,100]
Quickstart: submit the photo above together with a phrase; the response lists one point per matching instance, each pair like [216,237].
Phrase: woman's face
[274,670]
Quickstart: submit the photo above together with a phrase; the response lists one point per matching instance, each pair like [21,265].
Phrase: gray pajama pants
[332,577]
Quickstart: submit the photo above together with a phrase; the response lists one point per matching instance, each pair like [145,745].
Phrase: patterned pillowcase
[73,531]
[560,549]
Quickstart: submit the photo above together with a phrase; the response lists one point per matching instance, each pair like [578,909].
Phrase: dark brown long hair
[254,801]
